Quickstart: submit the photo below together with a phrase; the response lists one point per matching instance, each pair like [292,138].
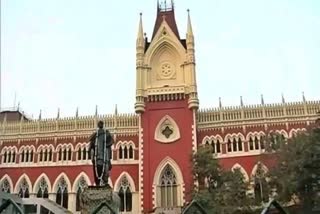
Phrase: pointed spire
[189,27]
[262,100]
[303,97]
[282,97]
[77,112]
[220,103]
[241,101]
[18,108]
[140,37]
[96,113]
[58,113]
[40,116]
[116,110]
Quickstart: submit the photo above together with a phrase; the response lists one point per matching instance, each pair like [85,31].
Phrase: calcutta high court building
[152,165]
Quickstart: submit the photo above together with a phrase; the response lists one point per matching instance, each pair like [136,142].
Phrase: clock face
[166,70]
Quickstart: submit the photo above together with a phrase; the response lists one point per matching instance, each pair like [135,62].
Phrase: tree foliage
[219,191]
[296,176]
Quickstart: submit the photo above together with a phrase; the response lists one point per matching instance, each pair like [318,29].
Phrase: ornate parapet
[96,199]
[69,126]
[237,115]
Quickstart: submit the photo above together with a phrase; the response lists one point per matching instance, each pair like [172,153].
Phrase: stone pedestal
[96,200]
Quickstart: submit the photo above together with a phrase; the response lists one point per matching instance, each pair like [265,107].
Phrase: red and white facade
[152,167]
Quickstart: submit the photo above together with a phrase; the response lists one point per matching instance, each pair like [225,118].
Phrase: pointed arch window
[218,146]
[125,195]
[24,189]
[13,157]
[130,152]
[79,153]
[234,145]
[69,154]
[5,157]
[5,186]
[82,184]
[62,193]
[84,153]
[168,188]
[229,146]
[50,154]
[43,189]
[60,154]
[251,144]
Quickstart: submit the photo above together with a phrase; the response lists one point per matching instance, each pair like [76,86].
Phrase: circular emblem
[166,70]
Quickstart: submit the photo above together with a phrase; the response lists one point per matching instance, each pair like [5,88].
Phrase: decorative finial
[40,116]
[18,108]
[58,114]
[220,103]
[116,110]
[241,101]
[303,97]
[77,112]
[283,100]
[140,13]
[188,10]
[96,113]
[262,100]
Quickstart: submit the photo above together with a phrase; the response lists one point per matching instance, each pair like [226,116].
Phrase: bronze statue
[100,150]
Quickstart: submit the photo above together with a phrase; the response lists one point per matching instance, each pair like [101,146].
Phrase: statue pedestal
[97,199]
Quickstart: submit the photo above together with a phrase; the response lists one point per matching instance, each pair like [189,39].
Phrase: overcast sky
[78,53]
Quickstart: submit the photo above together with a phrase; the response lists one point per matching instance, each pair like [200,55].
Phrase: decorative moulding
[167,130]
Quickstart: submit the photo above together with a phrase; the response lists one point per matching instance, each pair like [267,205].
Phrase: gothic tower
[166,101]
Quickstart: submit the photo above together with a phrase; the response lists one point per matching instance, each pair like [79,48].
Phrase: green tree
[296,175]
[219,191]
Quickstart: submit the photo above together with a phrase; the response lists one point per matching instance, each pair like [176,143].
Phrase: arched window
[45,155]
[218,146]
[130,152]
[24,189]
[125,151]
[9,157]
[62,193]
[262,138]
[120,152]
[41,156]
[234,145]
[213,147]
[13,157]
[84,153]
[168,184]
[26,155]
[239,144]
[50,154]
[64,154]
[229,145]
[60,154]
[5,157]
[81,185]
[69,154]
[79,153]
[125,195]
[31,155]
[251,144]
[5,186]
[43,189]
[256,143]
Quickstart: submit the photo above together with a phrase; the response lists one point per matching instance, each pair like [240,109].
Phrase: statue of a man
[100,150]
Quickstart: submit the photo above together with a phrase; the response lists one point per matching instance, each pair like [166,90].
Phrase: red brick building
[152,167]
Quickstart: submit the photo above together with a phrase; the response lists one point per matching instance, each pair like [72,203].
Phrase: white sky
[78,53]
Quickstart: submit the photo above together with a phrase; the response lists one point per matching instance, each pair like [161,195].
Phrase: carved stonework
[166,71]
[97,199]
[167,130]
